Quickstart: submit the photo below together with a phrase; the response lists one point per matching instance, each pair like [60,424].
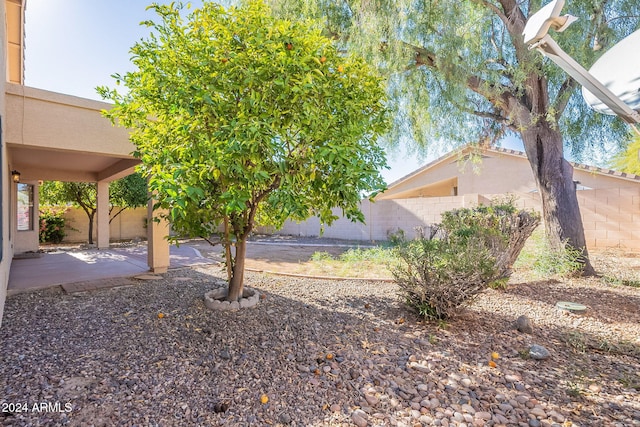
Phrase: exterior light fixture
[15,175]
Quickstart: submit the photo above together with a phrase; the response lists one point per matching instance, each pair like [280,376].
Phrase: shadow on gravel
[109,355]
[605,305]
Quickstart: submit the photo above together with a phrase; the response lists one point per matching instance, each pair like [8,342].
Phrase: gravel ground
[317,353]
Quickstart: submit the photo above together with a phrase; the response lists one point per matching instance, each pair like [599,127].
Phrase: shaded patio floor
[63,267]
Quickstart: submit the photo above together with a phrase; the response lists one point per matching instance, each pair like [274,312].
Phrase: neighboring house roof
[485,152]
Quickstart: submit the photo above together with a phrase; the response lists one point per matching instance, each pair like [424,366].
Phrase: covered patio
[52,136]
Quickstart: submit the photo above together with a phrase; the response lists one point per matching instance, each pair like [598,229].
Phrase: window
[25,207]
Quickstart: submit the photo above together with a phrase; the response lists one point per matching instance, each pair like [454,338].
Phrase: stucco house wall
[7,251]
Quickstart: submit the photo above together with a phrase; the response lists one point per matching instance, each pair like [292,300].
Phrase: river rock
[538,352]
[523,324]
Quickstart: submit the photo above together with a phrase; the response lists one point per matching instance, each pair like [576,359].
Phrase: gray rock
[225,355]
[523,324]
[285,419]
[538,352]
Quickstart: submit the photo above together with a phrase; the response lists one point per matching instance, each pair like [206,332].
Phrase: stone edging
[214,300]
[308,276]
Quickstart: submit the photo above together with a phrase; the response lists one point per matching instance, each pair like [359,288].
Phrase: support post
[157,244]
[102,213]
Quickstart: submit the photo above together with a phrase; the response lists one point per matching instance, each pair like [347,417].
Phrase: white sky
[73,46]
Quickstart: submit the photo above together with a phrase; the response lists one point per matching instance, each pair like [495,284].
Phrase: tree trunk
[91,217]
[554,178]
[236,284]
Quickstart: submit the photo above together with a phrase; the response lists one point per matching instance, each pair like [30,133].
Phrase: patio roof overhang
[52,136]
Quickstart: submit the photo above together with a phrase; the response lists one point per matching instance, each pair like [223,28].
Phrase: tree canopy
[629,160]
[241,118]
[124,193]
[467,60]
[460,72]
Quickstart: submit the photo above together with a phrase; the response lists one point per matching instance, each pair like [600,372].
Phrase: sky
[73,46]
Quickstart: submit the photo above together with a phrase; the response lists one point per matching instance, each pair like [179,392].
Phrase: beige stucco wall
[497,173]
[5,166]
[56,120]
[610,216]
[5,261]
[130,224]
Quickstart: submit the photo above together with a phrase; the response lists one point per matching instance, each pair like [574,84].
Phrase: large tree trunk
[236,284]
[554,178]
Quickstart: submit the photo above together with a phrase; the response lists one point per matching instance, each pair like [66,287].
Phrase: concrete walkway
[75,269]
[64,267]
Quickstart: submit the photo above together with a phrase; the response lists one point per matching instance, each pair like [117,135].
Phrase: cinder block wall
[611,217]
[130,224]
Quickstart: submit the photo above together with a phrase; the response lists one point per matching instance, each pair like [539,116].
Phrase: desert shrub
[52,224]
[470,250]
[439,276]
[501,227]
[396,237]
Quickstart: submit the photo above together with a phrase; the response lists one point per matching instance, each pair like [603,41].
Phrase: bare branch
[494,9]
[564,94]
[210,241]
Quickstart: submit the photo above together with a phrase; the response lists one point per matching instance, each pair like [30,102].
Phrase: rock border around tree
[214,300]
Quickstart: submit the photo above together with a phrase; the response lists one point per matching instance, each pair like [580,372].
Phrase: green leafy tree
[629,160]
[80,194]
[243,119]
[460,73]
[127,192]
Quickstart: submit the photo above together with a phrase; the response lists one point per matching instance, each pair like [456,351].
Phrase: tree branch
[422,55]
[211,242]
[502,98]
[253,207]
[111,218]
[564,94]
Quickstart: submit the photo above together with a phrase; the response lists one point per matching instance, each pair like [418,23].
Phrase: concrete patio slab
[65,267]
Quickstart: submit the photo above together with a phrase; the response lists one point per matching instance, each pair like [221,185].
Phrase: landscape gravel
[317,353]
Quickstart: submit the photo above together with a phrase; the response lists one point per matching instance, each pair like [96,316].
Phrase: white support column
[157,244]
[102,214]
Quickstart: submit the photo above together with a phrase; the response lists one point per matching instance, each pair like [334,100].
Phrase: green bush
[374,254]
[470,250]
[52,224]
[397,237]
[501,227]
[321,256]
[544,261]
[439,275]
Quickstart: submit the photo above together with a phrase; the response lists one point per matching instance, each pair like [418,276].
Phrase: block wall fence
[611,218]
[130,224]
